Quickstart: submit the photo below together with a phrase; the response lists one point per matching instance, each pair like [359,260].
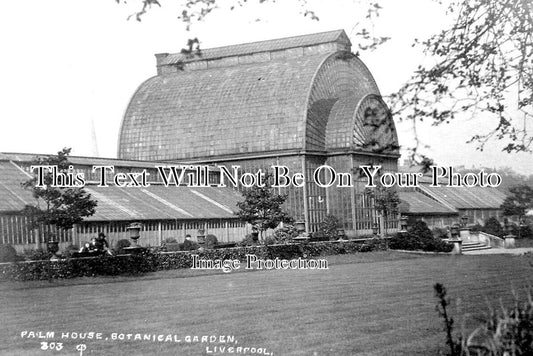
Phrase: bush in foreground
[508,331]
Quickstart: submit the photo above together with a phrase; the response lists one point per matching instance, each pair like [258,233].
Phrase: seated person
[101,244]
[85,248]
[89,248]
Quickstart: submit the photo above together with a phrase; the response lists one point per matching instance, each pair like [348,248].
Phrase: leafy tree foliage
[262,208]
[62,207]
[386,201]
[482,59]
[519,201]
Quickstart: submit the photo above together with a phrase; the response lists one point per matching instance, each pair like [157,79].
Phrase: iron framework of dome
[300,101]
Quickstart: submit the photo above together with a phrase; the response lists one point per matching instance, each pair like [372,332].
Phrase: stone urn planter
[300,226]
[135,234]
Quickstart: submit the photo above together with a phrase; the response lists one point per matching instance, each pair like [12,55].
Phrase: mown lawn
[365,304]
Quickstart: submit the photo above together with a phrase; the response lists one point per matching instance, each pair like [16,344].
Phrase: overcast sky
[69,65]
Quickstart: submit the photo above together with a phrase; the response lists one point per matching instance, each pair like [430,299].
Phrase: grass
[365,304]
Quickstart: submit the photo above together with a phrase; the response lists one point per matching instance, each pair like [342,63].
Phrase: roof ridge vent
[254,52]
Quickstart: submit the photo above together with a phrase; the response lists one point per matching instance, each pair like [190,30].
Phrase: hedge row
[151,262]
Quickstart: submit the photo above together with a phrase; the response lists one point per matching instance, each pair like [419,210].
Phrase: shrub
[493,227]
[119,247]
[512,328]
[248,241]
[329,226]
[420,229]
[440,233]
[285,233]
[525,232]
[319,236]
[373,244]
[172,246]
[271,240]
[37,254]
[189,245]
[8,253]
[419,237]
[476,228]
[211,241]
[412,242]
[508,331]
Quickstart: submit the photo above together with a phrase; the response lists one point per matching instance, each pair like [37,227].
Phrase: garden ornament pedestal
[509,241]
[464,233]
[375,229]
[300,226]
[403,224]
[135,234]
[200,237]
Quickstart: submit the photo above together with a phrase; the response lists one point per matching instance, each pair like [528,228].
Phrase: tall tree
[62,207]
[262,208]
[519,201]
[386,202]
[481,65]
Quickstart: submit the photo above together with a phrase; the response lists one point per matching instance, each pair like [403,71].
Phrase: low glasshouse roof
[155,202]
[12,197]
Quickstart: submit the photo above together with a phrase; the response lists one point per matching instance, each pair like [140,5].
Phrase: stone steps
[473,246]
